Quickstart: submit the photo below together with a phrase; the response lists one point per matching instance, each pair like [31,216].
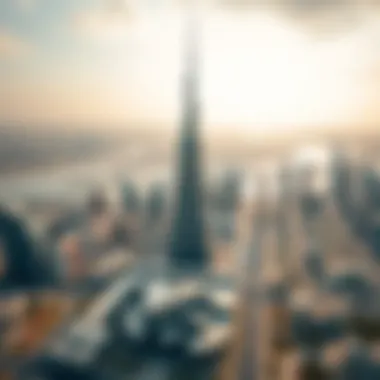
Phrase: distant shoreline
[25,154]
[49,166]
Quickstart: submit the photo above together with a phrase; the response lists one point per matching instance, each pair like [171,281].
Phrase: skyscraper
[21,268]
[188,250]
[130,198]
[154,310]
[97,203]
[155,204]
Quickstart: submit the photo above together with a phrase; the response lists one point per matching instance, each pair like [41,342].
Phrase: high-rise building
[121,235]
[130,198]
[156,204]
[173,307]
[20,265]
[188,249]
[341,181]
[230,191]
[97,203]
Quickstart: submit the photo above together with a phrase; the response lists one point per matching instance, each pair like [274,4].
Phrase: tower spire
[188,250]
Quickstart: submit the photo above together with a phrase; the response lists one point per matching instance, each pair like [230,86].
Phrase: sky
[266,65]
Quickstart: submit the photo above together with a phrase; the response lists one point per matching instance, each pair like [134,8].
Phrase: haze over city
[189,190]
[116,64]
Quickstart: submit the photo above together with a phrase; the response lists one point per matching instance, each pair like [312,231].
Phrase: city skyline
[84,63]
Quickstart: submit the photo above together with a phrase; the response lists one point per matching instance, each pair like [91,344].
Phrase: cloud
[25,5]
[238,4]
[12,46]
[317,5]
[297,5]
[315,15]
[323,9]
[103,24]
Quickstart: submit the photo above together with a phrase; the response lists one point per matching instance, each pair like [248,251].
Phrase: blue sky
[42,23]
[96,62]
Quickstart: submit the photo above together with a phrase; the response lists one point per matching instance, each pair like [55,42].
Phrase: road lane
[248,367]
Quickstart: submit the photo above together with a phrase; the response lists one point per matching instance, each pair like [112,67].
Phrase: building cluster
[169,303]
[146,259]
[331,300]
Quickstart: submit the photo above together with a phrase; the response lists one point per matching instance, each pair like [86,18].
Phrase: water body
[74,181]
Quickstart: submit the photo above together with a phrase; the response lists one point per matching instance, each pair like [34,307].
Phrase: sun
[261,73]
[258,72]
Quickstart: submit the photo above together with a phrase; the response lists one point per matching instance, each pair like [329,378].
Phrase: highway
[242,361]
[249,363]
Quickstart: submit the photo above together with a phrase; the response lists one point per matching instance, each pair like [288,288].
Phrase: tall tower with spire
[188,249]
